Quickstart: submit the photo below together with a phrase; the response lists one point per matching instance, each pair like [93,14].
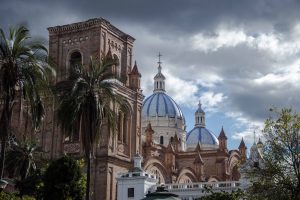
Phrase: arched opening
[75,59]
[161,140]
[116,70]
[74,136]
[159,175]
[123,124]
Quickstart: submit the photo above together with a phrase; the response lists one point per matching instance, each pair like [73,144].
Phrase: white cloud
[222,38]
[273,43]
[247,133]
[212,100]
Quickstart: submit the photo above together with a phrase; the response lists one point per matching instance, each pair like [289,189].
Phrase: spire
[159,62]
[259,141]
[159,79]
[254,137]
[109,54]
[200,116]
[149,128]
[198,147]
[135,70]
[243,151]
[198,159]
[222,134]
[242,144]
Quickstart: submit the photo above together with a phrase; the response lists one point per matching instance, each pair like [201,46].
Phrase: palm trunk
[3,147]
[4,130]
[88,179]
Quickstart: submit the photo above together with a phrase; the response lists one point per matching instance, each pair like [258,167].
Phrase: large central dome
[164,115]
[160,104]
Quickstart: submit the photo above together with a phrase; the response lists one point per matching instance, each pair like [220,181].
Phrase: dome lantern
[159,79]
[200,116]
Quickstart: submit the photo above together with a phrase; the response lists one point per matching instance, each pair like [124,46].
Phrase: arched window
[161,140]
[75,59]
[74,136]
[123,125]
[116,70]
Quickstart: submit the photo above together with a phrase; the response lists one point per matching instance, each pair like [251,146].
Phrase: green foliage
[24,73]
[222,195]
[13,196]
[63,180]
[86,99]
[32,185]
[280,176]
[22,159]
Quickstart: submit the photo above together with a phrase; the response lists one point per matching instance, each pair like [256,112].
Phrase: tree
[24,72]
[22,160]
[32,185]
[222,195]
[280,176]
[86,99]
[63,180]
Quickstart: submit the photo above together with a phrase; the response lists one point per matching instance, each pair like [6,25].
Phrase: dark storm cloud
[168,26]
[164,16]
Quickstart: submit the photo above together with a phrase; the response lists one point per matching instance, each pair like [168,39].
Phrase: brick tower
[74,44]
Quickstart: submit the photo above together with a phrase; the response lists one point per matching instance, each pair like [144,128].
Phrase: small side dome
[202,135]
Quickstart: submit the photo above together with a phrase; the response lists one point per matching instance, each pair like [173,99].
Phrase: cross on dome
[159,79]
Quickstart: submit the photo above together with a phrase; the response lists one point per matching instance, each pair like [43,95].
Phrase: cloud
[238,57]
[222,38]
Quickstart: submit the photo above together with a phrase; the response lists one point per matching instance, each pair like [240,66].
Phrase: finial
[159,56]
[159,62]
[199,104]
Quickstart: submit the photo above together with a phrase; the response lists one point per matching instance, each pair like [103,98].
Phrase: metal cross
[159,56]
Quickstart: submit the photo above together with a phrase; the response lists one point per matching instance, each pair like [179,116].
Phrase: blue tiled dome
[202,135]
[161,105]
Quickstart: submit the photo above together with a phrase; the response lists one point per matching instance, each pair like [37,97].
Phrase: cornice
[96,22]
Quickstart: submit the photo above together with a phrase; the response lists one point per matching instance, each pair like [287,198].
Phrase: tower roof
[149,128]
[259,142]
[159,78]
[109,54]
[222,134]
[242,144]
[135,70]
[200,110]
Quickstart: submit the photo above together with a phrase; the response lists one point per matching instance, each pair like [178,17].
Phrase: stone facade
[172,164]
[78,42]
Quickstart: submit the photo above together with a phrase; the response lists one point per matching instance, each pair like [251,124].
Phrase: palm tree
[24,73]
[22,159]
[86,98]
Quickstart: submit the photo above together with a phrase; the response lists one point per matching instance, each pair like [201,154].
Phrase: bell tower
[74,44]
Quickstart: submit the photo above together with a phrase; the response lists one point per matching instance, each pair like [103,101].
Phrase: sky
[240,58]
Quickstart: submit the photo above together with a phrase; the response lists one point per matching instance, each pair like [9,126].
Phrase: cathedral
[177,156]
[153,127]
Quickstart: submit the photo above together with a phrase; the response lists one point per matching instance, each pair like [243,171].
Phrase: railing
[72,147]
[228,185]
[136,174]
